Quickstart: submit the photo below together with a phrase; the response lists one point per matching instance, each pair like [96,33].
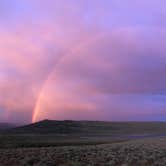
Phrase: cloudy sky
[82,59]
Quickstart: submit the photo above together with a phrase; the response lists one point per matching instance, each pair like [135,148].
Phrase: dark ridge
[61,127]
[90,127]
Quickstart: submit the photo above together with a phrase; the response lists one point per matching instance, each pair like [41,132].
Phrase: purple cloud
[82,60]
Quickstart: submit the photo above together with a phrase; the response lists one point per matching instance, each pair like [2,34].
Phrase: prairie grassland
[145,152]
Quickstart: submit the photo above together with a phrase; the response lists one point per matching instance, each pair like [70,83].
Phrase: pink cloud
[118,63]
[79,55]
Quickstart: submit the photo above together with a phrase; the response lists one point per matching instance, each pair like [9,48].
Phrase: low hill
[91,128]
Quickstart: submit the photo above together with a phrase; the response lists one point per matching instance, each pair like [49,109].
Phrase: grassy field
[58,133]
[29,140]
[82,143]
[146,152]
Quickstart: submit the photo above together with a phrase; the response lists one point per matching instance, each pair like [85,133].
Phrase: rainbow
[81,46]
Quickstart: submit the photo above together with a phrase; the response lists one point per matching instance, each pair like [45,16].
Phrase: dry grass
[147,152]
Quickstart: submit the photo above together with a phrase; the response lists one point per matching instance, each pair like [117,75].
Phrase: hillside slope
[91,127]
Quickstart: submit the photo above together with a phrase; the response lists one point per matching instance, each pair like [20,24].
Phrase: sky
[82,60]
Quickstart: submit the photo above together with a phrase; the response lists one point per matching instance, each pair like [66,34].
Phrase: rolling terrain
[48,133]
[91,128]
[73,143]
[146,152]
